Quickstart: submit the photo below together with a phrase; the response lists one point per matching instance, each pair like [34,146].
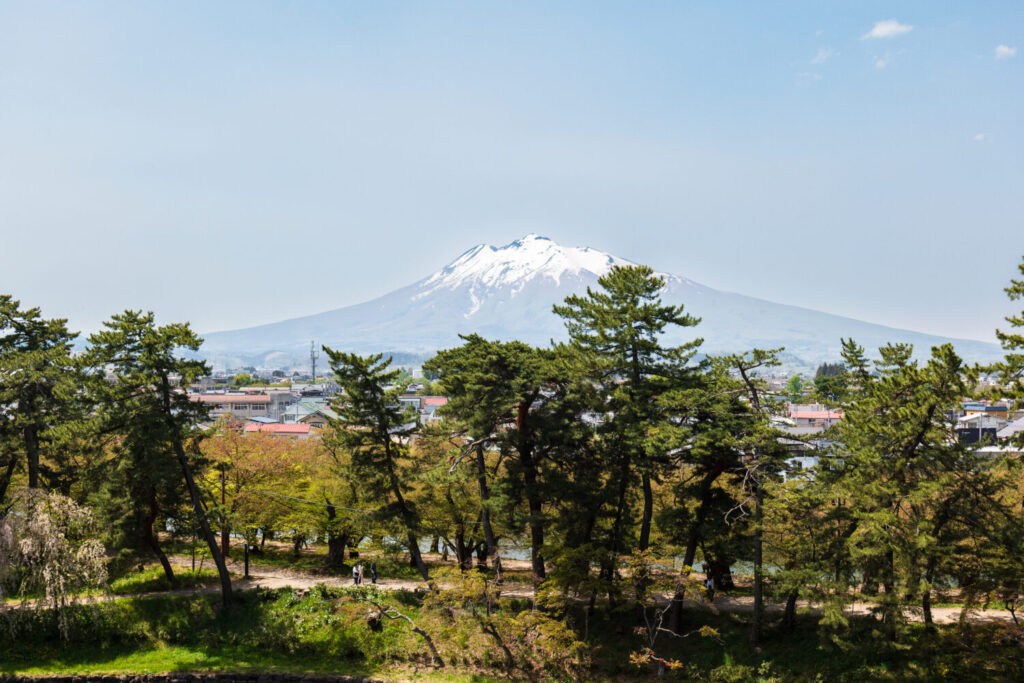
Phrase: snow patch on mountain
[486,267]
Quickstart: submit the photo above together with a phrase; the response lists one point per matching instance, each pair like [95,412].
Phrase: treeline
[618,462]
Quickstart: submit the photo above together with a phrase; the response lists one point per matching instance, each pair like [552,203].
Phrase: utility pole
[313,355]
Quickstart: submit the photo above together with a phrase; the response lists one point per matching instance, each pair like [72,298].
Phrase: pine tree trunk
[31,436]
[789,616]
[485,513]
[616,534]
[335,542]
[227,598]
[533,499]
[225,531]
[926,606]
[755,622]
[407,517]
[716,566]
[648,513]
[692,541]
[891,599]
[154,544]
[642,579]
[926,597]
[5,482]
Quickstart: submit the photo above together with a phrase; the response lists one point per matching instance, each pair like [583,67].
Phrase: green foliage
[40,394]
[830,382]
[157,425]
[616,352]
[153,580]
[244,379]
[795,388]
[374,430]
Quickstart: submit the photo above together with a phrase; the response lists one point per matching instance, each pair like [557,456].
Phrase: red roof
[230,398]
[277,428]
[816,414]
[433,400]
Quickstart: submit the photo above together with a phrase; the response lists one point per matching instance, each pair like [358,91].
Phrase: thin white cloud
[882,62]
[890,28]
[806,78]
[980,137]
[823,54]
[1005,52]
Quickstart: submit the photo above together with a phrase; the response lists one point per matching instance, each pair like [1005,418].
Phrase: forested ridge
[637,480]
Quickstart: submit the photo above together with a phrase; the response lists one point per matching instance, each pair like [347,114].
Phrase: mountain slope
[507,293]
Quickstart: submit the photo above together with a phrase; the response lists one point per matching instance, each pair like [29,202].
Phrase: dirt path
[273,578]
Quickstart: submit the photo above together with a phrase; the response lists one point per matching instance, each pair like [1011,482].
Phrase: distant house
[429,406]
[814,415]
[980,426]
[1012,429]
[244,406]
[315,412]
[323,389]
[410,402]
[240,406]
[986,408]
[319,418]
[288,431]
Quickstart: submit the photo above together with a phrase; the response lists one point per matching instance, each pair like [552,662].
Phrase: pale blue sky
[240,163]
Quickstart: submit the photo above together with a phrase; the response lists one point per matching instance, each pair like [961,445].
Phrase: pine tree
[39,383]
[374,428]
[616,333]
[146,407]
[829,383]
[764,459]
[1011,368]
[898,466]
[480,396]
[495,390]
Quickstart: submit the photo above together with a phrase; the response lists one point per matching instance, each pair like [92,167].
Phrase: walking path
[263,576]
[273,578]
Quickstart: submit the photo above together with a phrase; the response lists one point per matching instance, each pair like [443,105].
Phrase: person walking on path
[373,573]
[360,582]
[710,586]
[355,573]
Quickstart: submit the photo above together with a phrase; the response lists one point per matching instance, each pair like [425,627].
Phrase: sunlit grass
[153,579]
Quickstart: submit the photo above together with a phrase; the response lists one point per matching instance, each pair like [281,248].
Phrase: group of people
[357,573]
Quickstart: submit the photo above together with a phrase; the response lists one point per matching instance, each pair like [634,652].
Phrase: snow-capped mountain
[507,293]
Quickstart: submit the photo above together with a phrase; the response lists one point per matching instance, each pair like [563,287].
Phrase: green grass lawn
[159,658]
[152,579]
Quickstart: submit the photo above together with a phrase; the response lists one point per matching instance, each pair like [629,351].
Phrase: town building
[814,415]
[286,431]
[244,405]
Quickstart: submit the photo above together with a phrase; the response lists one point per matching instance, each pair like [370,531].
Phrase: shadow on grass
[113,659]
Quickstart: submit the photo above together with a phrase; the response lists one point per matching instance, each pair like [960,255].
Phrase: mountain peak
[530,257]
